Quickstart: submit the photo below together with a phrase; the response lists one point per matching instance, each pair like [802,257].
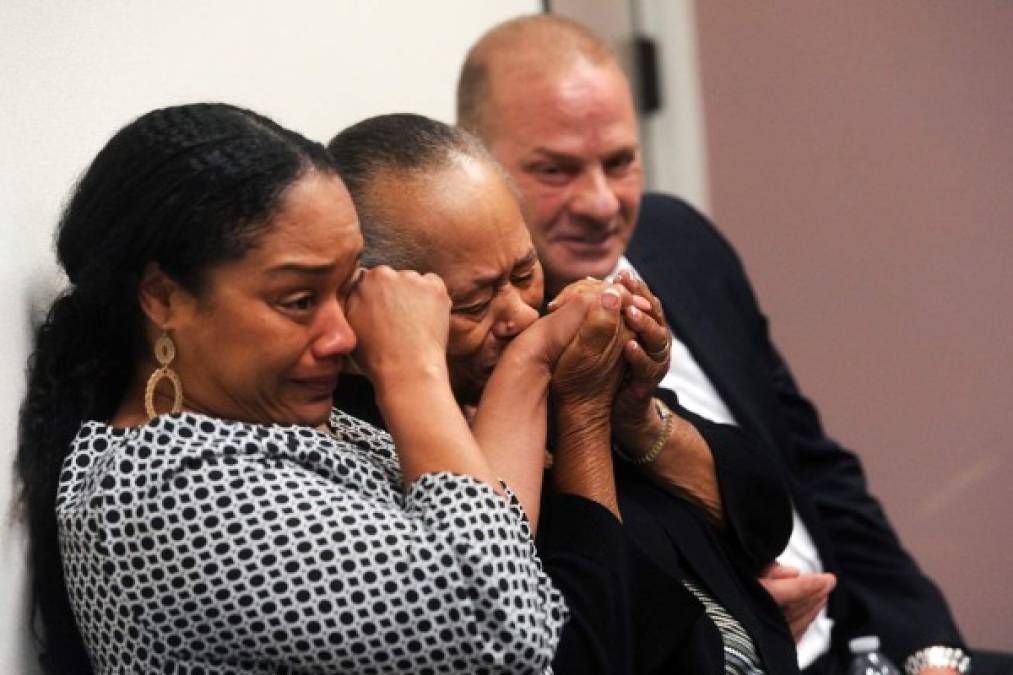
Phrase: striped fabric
[740,652]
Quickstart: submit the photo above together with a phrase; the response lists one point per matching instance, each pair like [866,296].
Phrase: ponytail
[187,188]
[73,375]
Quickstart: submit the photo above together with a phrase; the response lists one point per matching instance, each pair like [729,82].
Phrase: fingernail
[642,302]
[633,312]
[610,298]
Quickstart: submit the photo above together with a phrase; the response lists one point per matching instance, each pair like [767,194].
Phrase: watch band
[938,657]
[667,422]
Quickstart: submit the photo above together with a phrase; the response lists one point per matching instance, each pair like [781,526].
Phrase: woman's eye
[523,278]
[472,310]
[299,303]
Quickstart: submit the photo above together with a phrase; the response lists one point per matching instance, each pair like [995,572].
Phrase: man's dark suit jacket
[710,305]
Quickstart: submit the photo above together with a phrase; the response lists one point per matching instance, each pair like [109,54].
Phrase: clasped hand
[645,349]
[801,597]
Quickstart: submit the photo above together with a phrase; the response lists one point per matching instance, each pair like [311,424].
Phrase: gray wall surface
[861,160]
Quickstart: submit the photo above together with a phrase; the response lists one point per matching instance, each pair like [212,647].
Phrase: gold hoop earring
[165,352]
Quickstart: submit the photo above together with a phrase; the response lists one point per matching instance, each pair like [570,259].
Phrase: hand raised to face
[594,286]
[648,357]
[634,420]
[401,320]
[590,368]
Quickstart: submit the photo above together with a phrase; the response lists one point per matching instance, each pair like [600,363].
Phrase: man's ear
[160,296]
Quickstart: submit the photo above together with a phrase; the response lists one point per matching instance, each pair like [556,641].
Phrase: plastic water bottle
[868,660]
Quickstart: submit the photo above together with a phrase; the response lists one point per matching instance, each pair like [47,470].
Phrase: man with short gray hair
[552,105]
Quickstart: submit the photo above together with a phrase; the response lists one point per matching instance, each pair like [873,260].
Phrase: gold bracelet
[668,422]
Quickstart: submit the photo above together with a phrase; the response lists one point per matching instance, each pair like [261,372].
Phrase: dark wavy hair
[187,187]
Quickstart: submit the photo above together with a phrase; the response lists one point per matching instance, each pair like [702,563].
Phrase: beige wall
[72,73]
[861,160]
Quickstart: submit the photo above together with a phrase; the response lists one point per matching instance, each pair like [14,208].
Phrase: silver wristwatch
[938,657]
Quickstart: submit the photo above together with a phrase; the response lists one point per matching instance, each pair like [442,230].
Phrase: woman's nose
[515,315]
[335,336]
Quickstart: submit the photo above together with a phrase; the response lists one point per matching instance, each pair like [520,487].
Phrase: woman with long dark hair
[194,504]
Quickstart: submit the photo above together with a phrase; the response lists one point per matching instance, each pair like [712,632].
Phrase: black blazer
[672,539]
[710,305]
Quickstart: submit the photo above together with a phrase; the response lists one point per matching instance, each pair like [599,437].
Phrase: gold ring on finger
[662,353]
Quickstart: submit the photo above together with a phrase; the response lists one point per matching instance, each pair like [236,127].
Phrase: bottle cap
[864,644]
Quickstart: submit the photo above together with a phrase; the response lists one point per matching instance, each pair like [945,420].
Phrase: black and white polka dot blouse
[196,545]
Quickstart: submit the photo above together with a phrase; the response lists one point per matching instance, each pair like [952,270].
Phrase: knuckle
[583,301]
[436,282]
[603,320]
